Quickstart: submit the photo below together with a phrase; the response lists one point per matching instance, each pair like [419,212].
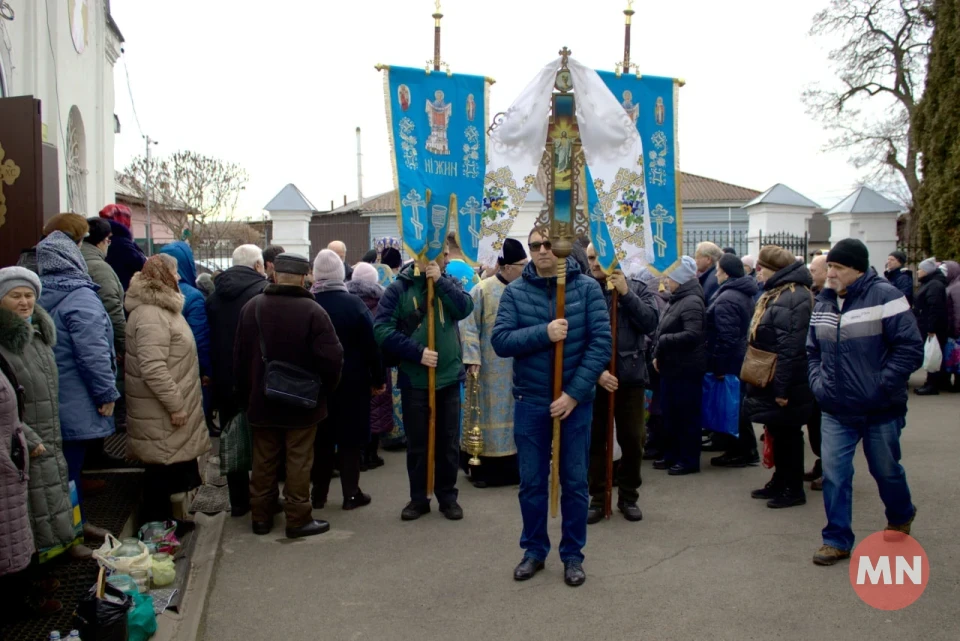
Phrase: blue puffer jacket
[728,323]
[86,361]
[194,305]
[526,308]
[860,358]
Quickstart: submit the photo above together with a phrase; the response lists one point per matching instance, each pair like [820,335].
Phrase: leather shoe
[927,390]
[630,510]
[527,568]
[414,511]
[452,511]
[594,514]
[358,500]
[662,464]
[817,485]
[815,472]
[682,470]
[573,574]
[262,527]
[312,528]
[767,492]
[787,499]
[240,510]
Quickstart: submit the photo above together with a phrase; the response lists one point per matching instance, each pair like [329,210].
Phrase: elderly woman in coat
[165,424]
[27,338]
[346,429]
[680,357]
[365,285]
[86,360]
[780,324]
[16,538]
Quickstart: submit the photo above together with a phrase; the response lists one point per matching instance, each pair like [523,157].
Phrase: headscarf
[157,270]
[61,264]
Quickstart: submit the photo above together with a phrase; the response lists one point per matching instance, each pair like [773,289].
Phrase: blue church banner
[437,125]
[652,103]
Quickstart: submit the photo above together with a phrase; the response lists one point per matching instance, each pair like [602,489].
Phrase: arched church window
[76,158]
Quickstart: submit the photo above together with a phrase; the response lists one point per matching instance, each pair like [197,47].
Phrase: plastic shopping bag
[236,446]
[107,558]
[721,404]
[932,356]
[102,614]
[141,620]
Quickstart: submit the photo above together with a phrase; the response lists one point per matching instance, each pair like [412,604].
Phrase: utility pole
[149,235]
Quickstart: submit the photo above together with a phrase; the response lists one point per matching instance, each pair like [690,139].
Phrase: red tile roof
[698,189]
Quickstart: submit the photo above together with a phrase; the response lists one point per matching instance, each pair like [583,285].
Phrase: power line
[56,82]
[136,118]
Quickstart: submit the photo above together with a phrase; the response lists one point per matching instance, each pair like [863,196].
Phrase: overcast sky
[280,87]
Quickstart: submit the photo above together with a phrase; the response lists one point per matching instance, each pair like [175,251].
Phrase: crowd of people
[326,362]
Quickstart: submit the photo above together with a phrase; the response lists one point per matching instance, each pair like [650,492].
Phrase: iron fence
[794,243]
[735,239]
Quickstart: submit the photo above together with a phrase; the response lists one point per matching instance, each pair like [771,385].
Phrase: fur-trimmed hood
[148,292]
[15,332]
[363,289]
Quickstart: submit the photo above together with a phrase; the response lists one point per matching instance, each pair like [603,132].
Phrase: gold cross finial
[564,56]
[629,5]
[9,172]
[437,5]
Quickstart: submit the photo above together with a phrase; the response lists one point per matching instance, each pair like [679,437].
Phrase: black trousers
[682,396]
[327,454]
[631,432]
[160,482]
[746,442]
[416,420]
[787,457]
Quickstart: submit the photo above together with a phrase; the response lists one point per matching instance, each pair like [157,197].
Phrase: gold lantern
[473,435]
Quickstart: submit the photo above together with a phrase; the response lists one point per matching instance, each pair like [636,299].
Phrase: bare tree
[192,193]
[881,68]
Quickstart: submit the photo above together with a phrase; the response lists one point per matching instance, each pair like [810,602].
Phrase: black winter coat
[787,304]
[902,279]
[728,323]
[637,317]
[930,305]
[233,289]
[679,345]
[349,408]
[709,284]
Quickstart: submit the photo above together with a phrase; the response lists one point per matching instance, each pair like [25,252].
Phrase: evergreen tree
[937,133]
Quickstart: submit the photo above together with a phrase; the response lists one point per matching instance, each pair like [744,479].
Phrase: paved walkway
[707,562]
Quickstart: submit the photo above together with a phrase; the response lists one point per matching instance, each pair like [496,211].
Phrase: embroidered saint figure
[659,111]
[403,95]
[632,110]
[471,107]
[439,113]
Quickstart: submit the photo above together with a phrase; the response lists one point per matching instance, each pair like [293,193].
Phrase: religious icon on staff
[403,95]
[439,112]
[564,81]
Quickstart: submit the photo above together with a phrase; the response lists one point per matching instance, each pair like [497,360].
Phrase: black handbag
[285,382]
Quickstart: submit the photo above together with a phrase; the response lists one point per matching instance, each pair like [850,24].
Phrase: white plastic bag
[932,356]
[105,556]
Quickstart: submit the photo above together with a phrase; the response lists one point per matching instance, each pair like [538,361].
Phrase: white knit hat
[684,272]
[366,272]
[328,266]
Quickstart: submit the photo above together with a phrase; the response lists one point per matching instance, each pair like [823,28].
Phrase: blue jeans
[533,433]
[881,446]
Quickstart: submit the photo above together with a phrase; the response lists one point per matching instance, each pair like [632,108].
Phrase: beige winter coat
[162,377]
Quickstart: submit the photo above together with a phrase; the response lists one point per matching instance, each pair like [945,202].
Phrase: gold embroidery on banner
[9,172]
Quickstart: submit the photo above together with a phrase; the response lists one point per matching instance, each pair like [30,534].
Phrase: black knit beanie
[731,265]
[850,252]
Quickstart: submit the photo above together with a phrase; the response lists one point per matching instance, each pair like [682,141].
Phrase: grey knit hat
[684,272]
[13,277]
[929,266]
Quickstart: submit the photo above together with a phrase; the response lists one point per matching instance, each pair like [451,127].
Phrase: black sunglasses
[536,245]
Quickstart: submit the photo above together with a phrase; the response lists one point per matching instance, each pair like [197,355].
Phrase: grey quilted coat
[28,348]
[16,539]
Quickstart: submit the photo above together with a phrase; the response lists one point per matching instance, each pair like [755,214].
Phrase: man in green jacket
[94,250]
[401,330]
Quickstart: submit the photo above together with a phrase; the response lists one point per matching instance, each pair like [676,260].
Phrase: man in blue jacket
[862,348]
[526,331]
